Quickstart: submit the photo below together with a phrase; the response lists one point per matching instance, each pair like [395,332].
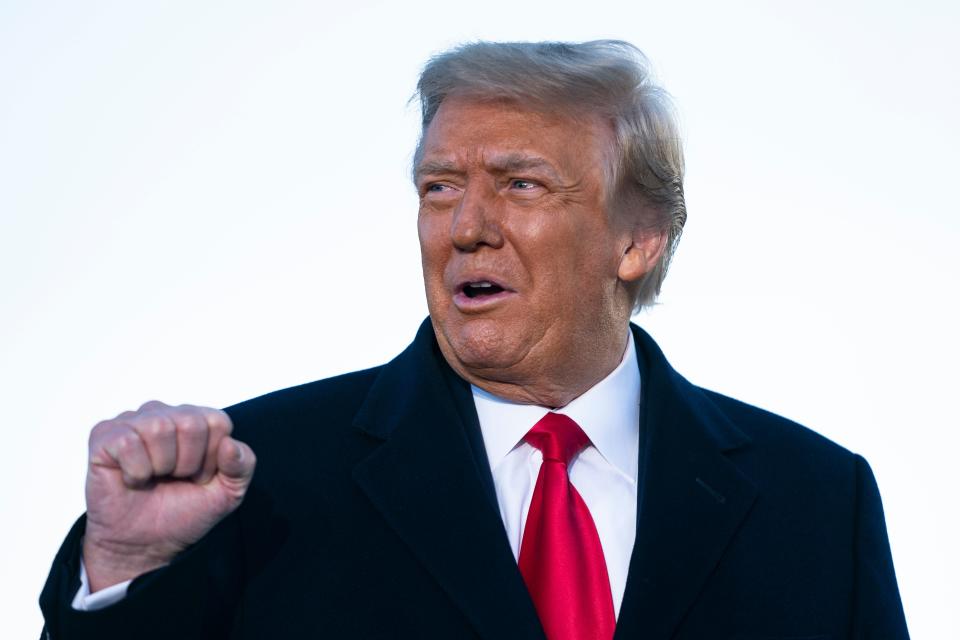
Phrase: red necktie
[561,559]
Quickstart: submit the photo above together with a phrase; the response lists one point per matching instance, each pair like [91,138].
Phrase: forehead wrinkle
[510,162]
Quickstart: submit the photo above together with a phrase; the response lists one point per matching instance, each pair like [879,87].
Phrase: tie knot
[558,437]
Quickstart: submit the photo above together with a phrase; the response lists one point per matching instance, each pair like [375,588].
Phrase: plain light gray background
[205,201]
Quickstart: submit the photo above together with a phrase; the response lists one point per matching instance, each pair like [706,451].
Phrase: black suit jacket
[372,515]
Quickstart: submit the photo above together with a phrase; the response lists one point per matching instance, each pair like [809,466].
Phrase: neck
[553,385]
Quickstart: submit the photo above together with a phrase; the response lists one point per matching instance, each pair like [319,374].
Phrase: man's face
[520,259]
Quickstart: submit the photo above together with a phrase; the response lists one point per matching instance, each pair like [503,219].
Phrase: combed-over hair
[607,78]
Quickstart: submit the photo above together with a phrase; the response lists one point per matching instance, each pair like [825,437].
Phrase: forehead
[474,130]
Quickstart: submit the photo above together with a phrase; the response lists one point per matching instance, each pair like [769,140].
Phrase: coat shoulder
[768,429]
[789,458]
[317,408]
[345,389]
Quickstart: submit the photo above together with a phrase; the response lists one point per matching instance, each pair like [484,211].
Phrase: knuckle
[219,420]
[108,434]
[100,429]
[153,405]
[157,427]
[127,444]
[191,425]
[202,420]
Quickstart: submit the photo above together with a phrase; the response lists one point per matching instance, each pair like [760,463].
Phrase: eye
[435,188]
[438,192]
[523,185]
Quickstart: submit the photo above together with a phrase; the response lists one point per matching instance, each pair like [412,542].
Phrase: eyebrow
[505,163]
[433,167]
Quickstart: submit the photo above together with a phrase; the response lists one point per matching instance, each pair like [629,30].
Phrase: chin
[482,344]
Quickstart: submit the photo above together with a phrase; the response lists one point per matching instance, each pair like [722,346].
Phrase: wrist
[110,563]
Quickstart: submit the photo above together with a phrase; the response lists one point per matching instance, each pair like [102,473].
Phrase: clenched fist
[159,478]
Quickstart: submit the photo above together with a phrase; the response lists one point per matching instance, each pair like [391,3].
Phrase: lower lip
[480,303]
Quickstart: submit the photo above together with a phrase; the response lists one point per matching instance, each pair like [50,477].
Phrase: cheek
[581,265]
[433,255]
[563,249]
[428,232]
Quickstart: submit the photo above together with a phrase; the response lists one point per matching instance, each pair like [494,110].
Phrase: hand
[159,478]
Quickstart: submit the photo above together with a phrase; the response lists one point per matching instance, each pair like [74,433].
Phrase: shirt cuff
[86,601]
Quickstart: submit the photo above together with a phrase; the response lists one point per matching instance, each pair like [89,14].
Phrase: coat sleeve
[877,610]
[192,598]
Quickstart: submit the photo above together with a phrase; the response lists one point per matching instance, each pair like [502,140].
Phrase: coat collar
[431,484]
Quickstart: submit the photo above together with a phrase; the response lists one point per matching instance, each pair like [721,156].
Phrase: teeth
[481,284]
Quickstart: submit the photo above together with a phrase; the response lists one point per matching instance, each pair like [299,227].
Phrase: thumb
[236,460]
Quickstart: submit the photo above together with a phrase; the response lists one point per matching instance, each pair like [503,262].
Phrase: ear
[641,255]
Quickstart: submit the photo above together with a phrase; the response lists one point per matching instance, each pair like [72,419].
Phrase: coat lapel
[425,481]
[691,499]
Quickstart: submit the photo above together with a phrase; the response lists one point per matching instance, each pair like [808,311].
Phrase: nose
[475,222]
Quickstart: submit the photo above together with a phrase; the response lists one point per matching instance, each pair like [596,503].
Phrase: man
[530,466]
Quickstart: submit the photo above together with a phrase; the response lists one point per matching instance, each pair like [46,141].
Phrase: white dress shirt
[86,601]
[605,474]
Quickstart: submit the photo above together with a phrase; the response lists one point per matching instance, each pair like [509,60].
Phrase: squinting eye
[523,184]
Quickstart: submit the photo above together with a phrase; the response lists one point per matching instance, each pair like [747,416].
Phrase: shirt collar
[608,412]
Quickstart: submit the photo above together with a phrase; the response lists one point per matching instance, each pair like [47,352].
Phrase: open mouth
[481,289]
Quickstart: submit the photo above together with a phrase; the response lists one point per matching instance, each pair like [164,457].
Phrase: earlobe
[641,256]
